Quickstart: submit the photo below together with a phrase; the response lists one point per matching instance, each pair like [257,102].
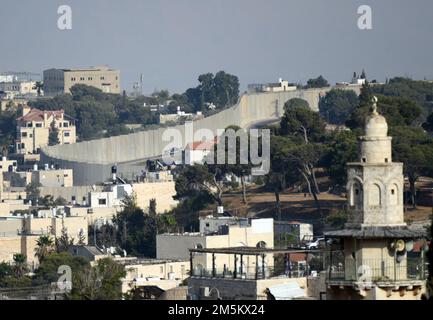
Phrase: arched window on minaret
[356,195]
[375,198]
[393,195]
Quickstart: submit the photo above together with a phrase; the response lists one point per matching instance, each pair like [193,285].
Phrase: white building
[196,152]
[280,86]
[111,198]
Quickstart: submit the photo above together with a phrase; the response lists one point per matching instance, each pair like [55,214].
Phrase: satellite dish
[400,246]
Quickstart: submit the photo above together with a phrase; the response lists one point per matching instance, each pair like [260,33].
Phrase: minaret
[375,183]
[369,258]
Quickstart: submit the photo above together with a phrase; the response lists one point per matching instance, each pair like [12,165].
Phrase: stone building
[60,81]
[34,126]
[373,257]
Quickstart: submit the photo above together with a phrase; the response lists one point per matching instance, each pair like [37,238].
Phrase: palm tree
[44,246]
[20,267]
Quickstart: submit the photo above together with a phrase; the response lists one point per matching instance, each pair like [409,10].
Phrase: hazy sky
[173,41]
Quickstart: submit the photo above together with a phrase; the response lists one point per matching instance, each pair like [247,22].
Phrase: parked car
[318,243]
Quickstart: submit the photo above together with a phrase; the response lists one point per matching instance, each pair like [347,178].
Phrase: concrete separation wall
[92,160]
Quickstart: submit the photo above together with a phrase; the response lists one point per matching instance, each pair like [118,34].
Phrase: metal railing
[389,269]
[253,273]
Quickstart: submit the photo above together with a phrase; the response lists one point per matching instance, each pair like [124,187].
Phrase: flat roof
[251,250]
[377,233]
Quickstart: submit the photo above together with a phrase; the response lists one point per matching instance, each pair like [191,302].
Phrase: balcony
[388,271]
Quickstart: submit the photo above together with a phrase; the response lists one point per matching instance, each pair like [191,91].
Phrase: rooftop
[38,115]
[377,232]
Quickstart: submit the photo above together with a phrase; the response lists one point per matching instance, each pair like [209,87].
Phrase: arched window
[356,195]
[374,196]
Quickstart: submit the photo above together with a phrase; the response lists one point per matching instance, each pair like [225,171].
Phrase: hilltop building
[33,129]
[60,81]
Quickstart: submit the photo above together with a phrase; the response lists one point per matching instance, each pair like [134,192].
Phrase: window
[24,134]
[31,135]
[66,134]
[392,191]
[38,125]
[102,201]
[82,78]
[364,160]
[65,124]
[89,78]
[102,78]
[386,160]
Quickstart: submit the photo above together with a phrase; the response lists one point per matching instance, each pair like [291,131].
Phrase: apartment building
[16,89]
[60,81]
[33,129]
[18,234]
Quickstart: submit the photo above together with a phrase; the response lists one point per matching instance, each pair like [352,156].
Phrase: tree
[101,282]
[53,137]
[152,207]
[398,111]
[221,89]
[428,124]
[60,201]
[8,126]
[415,149]
[296,103]
[44,246]
[343,148]
[13,276]
[47,201]
[242,166]
[337,105]
[47,270]
[64,242]
[20,265]
[281,174]
[199,178]
[319,82]
[302,122]
[33,192]
[136,231]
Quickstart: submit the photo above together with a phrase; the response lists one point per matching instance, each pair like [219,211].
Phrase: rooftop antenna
[141,84]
